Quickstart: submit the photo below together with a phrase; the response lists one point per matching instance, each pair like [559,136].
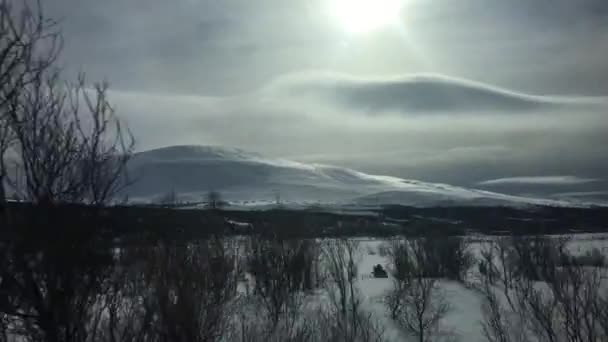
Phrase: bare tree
[168,292]
[544,301]
[51,287]
[495,328]
[487,265]
[192,288]
[423,307]
[497,323]
[5,143]
[402,269]
[341,258]
[169,199]
[282,271]
[70,147]
[415,303]
[214,200]
[446,257]
[69,152]
[29,44]
[345,318]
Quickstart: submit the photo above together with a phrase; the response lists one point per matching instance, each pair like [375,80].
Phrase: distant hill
[193,171]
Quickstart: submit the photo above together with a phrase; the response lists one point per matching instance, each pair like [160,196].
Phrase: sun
[360,16]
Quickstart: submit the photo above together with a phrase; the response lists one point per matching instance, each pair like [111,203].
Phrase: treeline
[128,224]
[133,223]
[502,220]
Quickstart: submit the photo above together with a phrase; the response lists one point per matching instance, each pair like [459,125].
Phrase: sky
[488,93]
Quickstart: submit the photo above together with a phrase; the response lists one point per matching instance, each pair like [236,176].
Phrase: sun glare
[359,16]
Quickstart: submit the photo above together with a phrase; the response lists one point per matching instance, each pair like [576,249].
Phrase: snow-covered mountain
[193,171]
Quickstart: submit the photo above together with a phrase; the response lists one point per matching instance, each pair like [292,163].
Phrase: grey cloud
[231,46]
[581,194]
[185,46]
[222,53]
[422,93]
[539,46]
[542,180]
[459,149]
[587,196]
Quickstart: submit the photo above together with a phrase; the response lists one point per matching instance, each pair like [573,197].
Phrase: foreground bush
[539,297]
[414,302]
[281,270]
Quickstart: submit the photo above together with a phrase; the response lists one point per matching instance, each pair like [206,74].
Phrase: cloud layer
[230,46]
[456,146]
[422,93]
[540,180]
[200,72]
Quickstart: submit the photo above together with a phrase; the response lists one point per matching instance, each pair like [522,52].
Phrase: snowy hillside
[192,171]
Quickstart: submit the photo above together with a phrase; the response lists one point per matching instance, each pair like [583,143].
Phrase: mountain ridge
[192,171]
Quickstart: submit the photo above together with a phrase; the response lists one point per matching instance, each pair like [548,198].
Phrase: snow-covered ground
[463,321]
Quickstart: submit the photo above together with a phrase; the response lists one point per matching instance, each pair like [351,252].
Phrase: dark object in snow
[379,272]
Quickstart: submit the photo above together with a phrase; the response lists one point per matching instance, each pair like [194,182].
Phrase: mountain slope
[192,171]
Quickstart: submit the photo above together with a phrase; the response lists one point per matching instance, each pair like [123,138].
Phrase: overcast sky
[461,91]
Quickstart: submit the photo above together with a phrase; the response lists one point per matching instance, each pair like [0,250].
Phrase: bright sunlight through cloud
[360,16]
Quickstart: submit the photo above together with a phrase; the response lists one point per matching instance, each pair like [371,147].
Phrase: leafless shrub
[495,328]
[402,260]
[361,326]
[49,290]
[423,308]
[342,318]
[487,265]
[402,268]
[600,312]
[169,199]
[313,324]
[63,137]
[536,257]
[414,302]
[509,260]
[446,257]
[547,301]
[591,258]
[69,152]
[29,44]
[340,260]
[345,318]
[123,316]
[214,200]
[173,293]
[384,249]
[282,270]
[69,147]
